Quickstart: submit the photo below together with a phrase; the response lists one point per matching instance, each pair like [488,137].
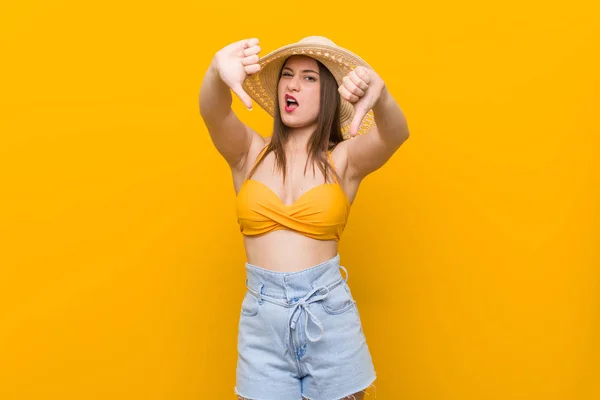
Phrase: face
[300,80]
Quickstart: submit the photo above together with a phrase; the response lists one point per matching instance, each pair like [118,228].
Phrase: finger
[252,69]
[357,80]
[250,42]
[250,60]
[243,96]
[362,73]
[352,88]
[252,50]
[346,95]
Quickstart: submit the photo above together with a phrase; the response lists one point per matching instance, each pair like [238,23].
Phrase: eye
[311,78]
[286,74]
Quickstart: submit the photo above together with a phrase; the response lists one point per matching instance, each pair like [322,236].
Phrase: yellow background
[473,254]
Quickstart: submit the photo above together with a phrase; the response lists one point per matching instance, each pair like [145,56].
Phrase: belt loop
[260,292]
[346,271]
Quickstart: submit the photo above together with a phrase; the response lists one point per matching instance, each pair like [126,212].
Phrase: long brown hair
[325,137]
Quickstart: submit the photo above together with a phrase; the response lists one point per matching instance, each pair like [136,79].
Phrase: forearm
[389,118]
[215,96]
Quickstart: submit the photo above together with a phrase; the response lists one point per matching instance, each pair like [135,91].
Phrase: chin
[293,125]
[292,122]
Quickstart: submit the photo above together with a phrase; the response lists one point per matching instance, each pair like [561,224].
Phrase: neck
[299,137]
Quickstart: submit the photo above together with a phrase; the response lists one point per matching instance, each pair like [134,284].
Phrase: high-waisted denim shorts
[300,335]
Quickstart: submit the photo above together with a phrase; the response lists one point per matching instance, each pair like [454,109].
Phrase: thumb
[359,114]
[243,96]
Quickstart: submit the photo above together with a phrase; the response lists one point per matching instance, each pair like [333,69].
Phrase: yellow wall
[473,254]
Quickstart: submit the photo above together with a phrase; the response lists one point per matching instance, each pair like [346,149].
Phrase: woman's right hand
[235,62]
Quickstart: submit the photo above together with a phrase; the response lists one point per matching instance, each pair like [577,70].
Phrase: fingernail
[250,109]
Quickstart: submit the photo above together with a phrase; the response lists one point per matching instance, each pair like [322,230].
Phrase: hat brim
[262,86]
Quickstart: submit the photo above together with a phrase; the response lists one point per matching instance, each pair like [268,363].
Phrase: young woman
[300,334]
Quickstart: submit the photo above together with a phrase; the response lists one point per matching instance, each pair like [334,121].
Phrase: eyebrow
[304,70]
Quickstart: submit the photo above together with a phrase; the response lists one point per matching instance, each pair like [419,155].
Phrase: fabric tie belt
[301,307]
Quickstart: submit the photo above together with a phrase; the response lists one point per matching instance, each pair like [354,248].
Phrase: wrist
[212,68]
[384,96]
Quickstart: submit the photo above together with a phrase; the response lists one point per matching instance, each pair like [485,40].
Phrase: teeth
[292,101]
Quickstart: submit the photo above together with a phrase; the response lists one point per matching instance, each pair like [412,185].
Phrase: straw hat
[262,86]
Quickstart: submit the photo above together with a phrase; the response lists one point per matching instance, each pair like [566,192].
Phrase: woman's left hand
[362,87]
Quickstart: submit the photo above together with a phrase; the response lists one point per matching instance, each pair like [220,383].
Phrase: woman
[300,334]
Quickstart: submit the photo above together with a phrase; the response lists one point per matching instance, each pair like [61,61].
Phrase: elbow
[402,136]
[406,136]
[404,133]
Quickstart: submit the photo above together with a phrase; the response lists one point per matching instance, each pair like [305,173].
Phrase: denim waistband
[290,286]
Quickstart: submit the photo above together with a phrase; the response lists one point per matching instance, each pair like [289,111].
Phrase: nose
[293,83]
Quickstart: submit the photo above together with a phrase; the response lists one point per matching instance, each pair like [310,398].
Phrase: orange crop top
[319,213]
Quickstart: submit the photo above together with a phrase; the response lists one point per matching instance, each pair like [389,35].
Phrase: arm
[231,137]
[370,151]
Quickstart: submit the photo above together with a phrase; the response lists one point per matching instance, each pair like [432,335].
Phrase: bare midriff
[287,251]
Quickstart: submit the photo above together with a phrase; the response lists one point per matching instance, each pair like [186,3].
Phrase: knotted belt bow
[301,307]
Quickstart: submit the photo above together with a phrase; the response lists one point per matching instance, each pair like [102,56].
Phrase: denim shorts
[300,335]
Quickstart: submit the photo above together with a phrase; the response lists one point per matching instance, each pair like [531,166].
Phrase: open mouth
[290,103]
